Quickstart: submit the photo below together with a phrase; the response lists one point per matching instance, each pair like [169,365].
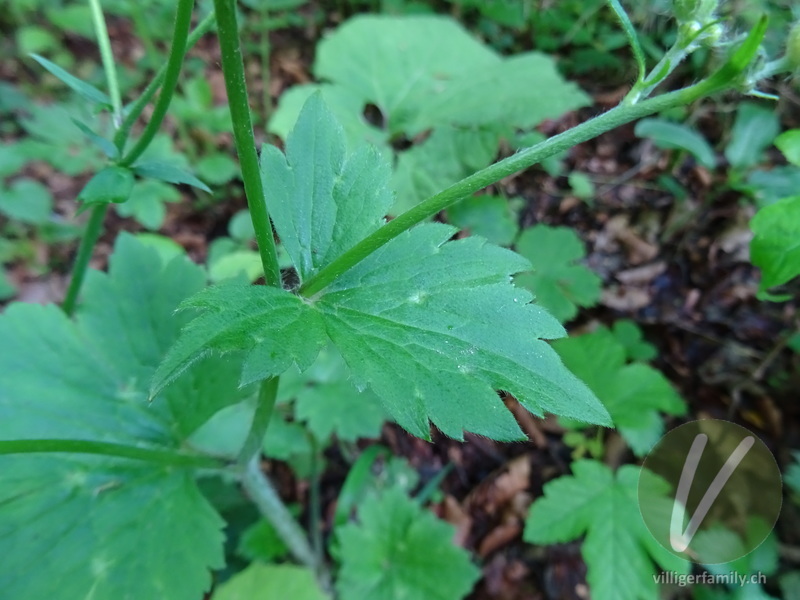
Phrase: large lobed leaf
[433,326]
[107,528]
[426,73]
[618,549]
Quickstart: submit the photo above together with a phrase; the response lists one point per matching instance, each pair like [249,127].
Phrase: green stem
[266,404]
[107,57]
[162,457]
[264,496]
[236,86]
[183,20]
[625,113]
[121,137]
[90,236]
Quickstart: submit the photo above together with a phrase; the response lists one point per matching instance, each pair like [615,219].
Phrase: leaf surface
[618,549]
[106,527]
[271,582]
[398,551]
[775,249]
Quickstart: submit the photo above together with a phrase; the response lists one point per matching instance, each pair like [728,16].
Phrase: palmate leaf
[432,326]
[107,528]
[618,549]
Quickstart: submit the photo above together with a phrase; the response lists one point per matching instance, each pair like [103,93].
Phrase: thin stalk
[236,86]
[162,457]
[90,236]
[107,57]
[121,137]
[264,409]
[265,497]
[624,113]
[183,20]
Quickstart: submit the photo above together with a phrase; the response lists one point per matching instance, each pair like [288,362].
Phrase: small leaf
[274,328]
[240,227]
[558,284]
[666,134]
[399,551]
[146,203]
[339,408]
[111,185]
[487,216]
[26,200]
[618,549]
[86,90]
[754,130]
[768,187]
[271,582]
[170,173]
[775,249]
[634,393]
[107,147]
[217,169]
[789,144]
[260,541]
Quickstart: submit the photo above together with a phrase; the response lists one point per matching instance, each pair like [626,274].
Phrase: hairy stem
[265,497]
[90,236]
[162,457]
[236,86]
[107,57]
[183,20]
[121,137]
[266,404]
[724,78]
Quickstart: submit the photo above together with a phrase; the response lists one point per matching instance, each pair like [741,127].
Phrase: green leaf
[320,203]
[260,541]
[789,144]
[558,284]
[26,200]
[633,393]
[217,169]
[146,203]
[271,582]
[273,327]
[434,327]
[487,216]
[630,336]
[289,441]
[422,73]
[7,289]
[87,379]
[398,551]
[106,146]
[338,408]
[666,134]
[112,184]
[86,90]
[768,187]
[753,132]
[240,227]
[618,549]
[168,172]
[234,264]
[775,249]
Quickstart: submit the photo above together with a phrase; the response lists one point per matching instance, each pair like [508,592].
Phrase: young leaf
[558,284]
[271,582]
[26,200]
[87,379]
[112,184]
[382,555]
[320,203]
[167,172]
[618,549]
[274,328]
[106,146]
[339,408]
[789,144]
[633,393]
[775,249]
[753,132]
[86,90]
[666,134]
[434,327]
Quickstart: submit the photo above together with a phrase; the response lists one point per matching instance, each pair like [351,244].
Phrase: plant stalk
[121,137]
[267,395]
[162,457]
[107,57]
[723,78]
[236,86]
[183,20]
[90,236]
[264,496]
